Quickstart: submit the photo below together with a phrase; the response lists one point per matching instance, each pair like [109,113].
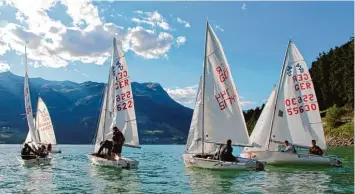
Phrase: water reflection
[212,181]
[113,180]
[38,179]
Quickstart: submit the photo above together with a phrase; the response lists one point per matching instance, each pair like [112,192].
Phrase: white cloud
[187,24]
[219,28]
[148,43]
[152,18]
[180,40]
[185,96]
[244,6]
[83,12]
[4,66]
[83,74]
[87,39]
[138,12]
[246,103]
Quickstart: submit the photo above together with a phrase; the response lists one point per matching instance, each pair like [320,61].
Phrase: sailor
[315,149]
[118,141]
[226,152]
[49,147]
[27,152]
[289,148]
[43,152]
[107,144]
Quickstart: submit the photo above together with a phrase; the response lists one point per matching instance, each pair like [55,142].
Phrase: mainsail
[32,135]
[44,124]
[297,118]
[118,105]
[261,132]
[222,112]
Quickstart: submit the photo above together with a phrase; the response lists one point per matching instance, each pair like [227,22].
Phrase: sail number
[124,105]
[123,96]
[299,99]
[223,72]
[300,109]
[225,96]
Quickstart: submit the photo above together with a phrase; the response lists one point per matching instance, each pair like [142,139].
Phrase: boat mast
[203,93]
[108,85]
[277,94]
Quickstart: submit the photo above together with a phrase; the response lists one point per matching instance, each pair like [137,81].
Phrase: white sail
[194,140]
[261,132]
[44,124]
[101,128]
[223,116]
[124,111]
[33,136]
[297,118]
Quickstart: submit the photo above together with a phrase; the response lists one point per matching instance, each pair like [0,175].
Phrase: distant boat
[117,110]
[44,126]
[33,136]
[292,114]
[217,113]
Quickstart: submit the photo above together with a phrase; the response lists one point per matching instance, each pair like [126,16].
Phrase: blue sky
[164,41]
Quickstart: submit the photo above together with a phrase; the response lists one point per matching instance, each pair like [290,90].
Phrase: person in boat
[42,151]
[289,148]
[107,145]
[28,153]
[118,141]
[49,147]
[226,152]
[316,150]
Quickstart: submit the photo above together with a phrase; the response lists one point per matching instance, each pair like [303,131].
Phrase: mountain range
[75,107]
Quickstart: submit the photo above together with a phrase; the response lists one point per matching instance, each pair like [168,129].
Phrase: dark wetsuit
[118,141]
[226,154]
[26,153]
[316,150]
[106,144]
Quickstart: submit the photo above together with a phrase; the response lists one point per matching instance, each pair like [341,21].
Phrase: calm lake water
[161,170]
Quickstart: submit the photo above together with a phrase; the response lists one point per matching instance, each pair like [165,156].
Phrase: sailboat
[217,113]
[117,110]
[33,136]
[44,126]
[295,117]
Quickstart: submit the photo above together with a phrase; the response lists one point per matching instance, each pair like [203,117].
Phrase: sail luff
[203,90]
[277,94]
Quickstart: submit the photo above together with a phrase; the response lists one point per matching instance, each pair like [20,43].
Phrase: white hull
[122,163]
[285,158]
[37,161]
[245,164]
